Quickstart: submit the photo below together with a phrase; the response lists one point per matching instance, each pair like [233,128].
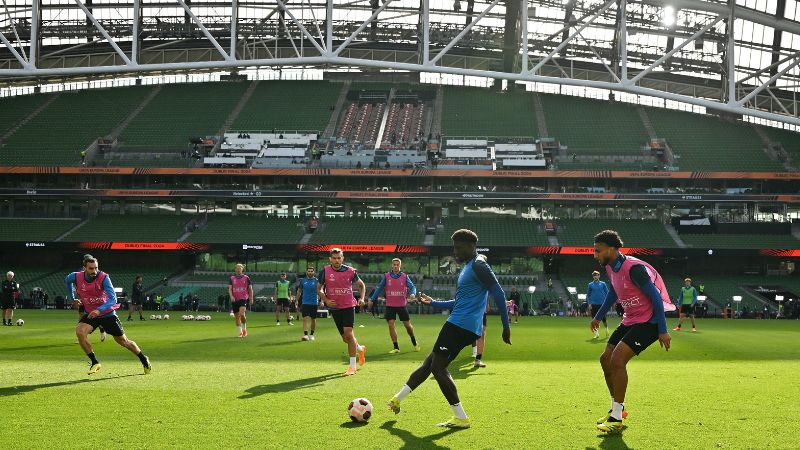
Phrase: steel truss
[285,36]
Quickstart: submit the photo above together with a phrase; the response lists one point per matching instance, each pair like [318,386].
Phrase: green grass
[732,385]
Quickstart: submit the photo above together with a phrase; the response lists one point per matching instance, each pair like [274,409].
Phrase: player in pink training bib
[240,290]
[639,288]
[397,289]
[335,289]
[100,302]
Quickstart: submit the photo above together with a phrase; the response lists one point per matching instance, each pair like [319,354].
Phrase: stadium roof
[680,50]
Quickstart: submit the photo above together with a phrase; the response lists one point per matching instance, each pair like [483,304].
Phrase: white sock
[403,392]
[240,329]
[352,362]
[612,404]
[616,410]
[474,351]
[458,411]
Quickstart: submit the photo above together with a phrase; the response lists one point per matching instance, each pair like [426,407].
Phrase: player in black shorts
[7,302]
[100,300]
[596,293]
[283,299]
[639,288]
[137,296]
[398,289]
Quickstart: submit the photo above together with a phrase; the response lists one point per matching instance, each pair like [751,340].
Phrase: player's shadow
[611,441]
[410,441]
[288,386]
[596,341]
[16,390]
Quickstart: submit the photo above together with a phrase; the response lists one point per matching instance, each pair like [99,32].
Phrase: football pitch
[732,385]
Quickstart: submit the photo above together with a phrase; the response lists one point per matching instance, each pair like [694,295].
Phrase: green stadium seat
[607,128]
[502,231]
[481,112]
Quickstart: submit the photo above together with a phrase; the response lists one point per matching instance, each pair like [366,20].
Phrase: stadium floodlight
[669,16]
[572,290]
[531,289]
[778,298]
[737,298]
[581,296]
[701,298]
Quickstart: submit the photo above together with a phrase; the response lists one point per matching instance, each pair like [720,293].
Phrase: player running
[309,301]
[335,289]
[396,285]
[640,290]
[283,298]
[100,302]
[475,282]
[595,295]
[240,290]
[688,301]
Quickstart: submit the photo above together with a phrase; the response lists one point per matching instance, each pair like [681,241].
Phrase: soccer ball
[152,317]
[166,316]
[291,318]
[20,322]
[231,314]
[208,317]
[190,317]
[184,317]
[360,410]
[158,317]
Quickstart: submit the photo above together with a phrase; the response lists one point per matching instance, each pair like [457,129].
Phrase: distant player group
[635,285]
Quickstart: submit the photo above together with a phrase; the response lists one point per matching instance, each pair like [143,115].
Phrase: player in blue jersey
[595,295]
[463,327]
[309,301]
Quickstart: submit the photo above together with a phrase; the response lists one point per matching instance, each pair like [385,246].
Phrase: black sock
[312,332]
[478,356]
[396,347]
[92,358]
[413,341]
[305,332]
[142,358]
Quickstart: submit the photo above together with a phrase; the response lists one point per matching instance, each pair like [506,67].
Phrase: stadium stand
[288,105]
[740,241]
[34,229]
[134,228]
[17,108]
[480,112]
[634,233]
[369,231]
[249,229]
[180,112]
[614,128]
[73,121]
[789,140]
[707,143]
[506,231]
